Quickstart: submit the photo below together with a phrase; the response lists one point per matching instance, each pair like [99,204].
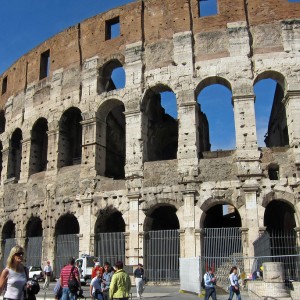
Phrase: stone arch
[111,139]
[8,236]
[216,127]
[285,196]
[159,129]
[215,215]
[67,224]
[275,133]
[161,216]
[106,82]
[70,138]
[15,155]
[39,146]
[34,227]
[8,230]
[109,220]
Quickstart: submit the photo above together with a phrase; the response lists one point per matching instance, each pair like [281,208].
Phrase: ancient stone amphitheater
[90,168]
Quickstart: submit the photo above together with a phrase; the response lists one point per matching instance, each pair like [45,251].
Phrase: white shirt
[15,285]
[47,269]
[96,284]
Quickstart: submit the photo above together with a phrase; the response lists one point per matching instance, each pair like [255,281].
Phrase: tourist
[106,280]
[139,275]
[96,287]
[48,273]
[13,277]
[96,268]
[210,284]
[120,284]
[69,272]
[234,284]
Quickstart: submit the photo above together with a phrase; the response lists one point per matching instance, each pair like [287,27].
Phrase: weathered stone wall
[171,48]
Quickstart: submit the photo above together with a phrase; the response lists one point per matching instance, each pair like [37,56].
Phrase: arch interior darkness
[110,222]
[67,224]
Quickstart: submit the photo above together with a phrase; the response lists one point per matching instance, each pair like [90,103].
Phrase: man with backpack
[209,281]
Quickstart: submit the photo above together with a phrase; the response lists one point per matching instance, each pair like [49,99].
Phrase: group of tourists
[108,283]
[209,281]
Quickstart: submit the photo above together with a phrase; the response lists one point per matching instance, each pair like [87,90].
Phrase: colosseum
[89,167]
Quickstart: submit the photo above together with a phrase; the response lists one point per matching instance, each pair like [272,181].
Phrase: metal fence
[8,244]
[110,247]
[34,251]
[67,245]
[161,255]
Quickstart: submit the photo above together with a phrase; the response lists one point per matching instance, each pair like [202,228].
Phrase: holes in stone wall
[111,77]
[208,8]
[39,146]
[70,138]
[216,119]
[45,64]
[271,122]
[112,28]
[4,85]
[273,172]
[15,155]
[160,128]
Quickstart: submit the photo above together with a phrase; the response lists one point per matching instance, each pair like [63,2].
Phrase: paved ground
[153,292]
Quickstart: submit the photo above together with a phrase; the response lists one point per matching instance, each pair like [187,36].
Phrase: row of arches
[159,132]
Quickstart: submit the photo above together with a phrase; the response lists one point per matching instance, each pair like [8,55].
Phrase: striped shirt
[65,274]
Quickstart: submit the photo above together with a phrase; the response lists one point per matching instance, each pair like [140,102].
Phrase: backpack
[203,282]
[72,283]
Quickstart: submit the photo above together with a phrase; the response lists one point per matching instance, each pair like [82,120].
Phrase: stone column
[198,242]
[85,226]
[247,154]
[89,132]
[52,154]
[133,249]
[189,242]
[5,165]
[188,138]
[25,160]
[134,145]
[251,221]
[292,107]
[297,229]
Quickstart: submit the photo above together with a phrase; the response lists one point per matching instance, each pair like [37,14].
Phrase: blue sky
[25,24]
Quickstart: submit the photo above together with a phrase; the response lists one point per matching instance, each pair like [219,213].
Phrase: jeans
[210,292]
[67,295]
[106,295]
[234,291]
[139,282]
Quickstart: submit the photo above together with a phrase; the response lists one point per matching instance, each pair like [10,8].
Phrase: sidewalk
[156,292]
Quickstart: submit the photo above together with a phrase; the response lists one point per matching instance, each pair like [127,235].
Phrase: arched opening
[70,138]
[2,121]
[279,242]
[271,122]
[221,240]
[8,240]
[109,236]
[39,146]
[111,144]
[159,124]
[34,237]
[216,118]
[112,76]
[162,244]
[67,241]
[273,171]
[15,155]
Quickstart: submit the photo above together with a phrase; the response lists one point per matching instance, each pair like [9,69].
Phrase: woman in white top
[14,276]
[234,284]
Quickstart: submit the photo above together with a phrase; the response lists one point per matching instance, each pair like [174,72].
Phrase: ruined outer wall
[161,43]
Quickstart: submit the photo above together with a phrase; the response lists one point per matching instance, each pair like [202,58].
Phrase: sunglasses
[19,254]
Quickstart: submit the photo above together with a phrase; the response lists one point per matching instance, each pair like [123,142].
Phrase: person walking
[14,275]
[106,280]
[120,284]
[139,275]
[234,284]
[210,284]
[96,287]
[48,273]
[67,273]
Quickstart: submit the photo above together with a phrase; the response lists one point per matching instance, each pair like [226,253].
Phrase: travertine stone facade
[163,46]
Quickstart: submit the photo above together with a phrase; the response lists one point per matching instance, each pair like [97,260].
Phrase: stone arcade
[83,158]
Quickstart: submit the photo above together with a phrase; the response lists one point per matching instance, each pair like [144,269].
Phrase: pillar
[25,160]
[52,154]
[85,226]
[5,164]
[89,131]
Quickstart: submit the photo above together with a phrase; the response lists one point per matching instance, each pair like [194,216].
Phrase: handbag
[73,283]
